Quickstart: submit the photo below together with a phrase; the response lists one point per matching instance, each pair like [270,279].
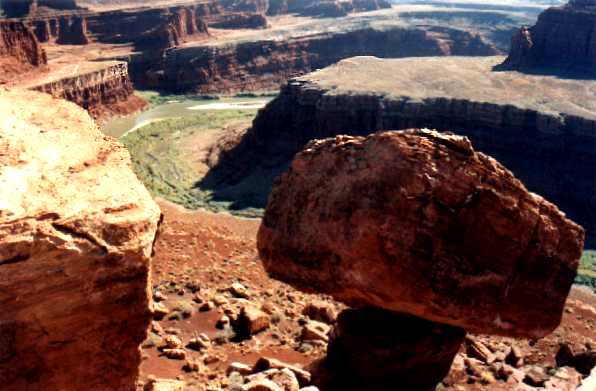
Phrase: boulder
[419,222]
[76,236]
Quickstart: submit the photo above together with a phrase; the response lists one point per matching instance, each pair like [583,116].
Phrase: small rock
[239,290]
[175,354]
[207,306]
[252,320]
[265,363]
[479,350]
[315,331]
[510,374]
[220,300]
[160,310]
[320,311]
[164,385]
[211,359]
[192,366]
[199,343]
[535,376]
[242,369]
[262,385]
[286,379]
[222,322]
[159,296]
[172,342]
[156,328]
[515,357]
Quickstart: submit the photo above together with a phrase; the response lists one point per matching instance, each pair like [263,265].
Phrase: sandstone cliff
[19,50]
[543,130]
[76,235]
[263,64]
[102,92]
[562,41]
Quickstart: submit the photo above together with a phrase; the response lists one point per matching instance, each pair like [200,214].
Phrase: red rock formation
[72,31]
[420,223]
[244,67]
[76,235]
[563,40]
[19,50]
[103,93]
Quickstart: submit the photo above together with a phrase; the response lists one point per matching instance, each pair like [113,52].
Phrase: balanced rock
[76,235]
[419,222]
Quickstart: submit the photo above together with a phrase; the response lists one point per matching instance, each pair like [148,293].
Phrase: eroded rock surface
[19,50]
[419,222]
[563,40]
[76,235]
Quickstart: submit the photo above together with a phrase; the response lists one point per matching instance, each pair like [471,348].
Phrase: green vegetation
[156,98]
[167,155]
[587,270]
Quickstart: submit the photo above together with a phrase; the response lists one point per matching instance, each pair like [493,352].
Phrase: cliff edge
[76,234]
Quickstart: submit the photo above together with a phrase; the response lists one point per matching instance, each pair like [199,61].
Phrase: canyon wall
[552,153]
[76,236]
[19,50]
[563,40]
[21,8]
[102,92]
[154,29]
[267,64]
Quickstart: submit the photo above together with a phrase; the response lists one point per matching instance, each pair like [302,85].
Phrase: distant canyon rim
[211,104]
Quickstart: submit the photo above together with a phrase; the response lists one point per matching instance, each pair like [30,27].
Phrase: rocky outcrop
[548,145]
[562,41]
[76,235]
[22,8]
[266,64]
[147,28]
[72,31]
[420,223]
[104,92]
[19,50]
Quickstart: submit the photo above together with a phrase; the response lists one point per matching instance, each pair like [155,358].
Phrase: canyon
[235,46]
[104,284]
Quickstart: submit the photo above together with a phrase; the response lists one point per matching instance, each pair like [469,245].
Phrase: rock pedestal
[373,349]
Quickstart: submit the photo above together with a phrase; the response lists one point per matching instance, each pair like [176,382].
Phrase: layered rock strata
[19,50]
[543,129]
[76,235]
[102,92]
[265,64]
[419,222]
[563,40]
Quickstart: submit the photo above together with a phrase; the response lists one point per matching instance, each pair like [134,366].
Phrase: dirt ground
[199,255]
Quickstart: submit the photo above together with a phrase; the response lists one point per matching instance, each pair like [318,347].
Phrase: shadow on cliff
[242,177]
[562,71]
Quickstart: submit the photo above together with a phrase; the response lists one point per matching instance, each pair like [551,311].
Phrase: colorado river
[118,127]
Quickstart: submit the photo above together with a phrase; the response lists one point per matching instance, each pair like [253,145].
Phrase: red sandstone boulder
[419,222]
[76,235]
